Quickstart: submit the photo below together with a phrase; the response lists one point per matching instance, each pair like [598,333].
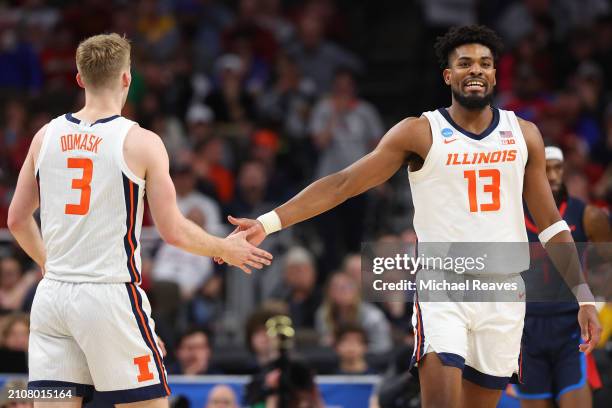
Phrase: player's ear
[126,79]
[446,75]
[80,80]
[494,76]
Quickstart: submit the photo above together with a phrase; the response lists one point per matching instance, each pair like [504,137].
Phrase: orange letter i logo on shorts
[144,374]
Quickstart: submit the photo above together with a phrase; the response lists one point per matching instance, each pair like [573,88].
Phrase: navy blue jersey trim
[145,331]
[452,360]
[485,133]
[72,119]
[133,395]
[104,120]
[130,195]
[485,380]
[38,185]
[81,390]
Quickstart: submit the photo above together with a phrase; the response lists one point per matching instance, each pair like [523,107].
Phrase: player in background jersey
[91,323]
[554,368]
[457,366]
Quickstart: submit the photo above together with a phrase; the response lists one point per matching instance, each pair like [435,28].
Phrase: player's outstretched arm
[410,135]
[173,227]
[555,234]
[21,220]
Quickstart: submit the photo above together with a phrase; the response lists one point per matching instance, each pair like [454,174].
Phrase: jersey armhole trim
[123,164]
[524,152]
[428,161]
[43,148]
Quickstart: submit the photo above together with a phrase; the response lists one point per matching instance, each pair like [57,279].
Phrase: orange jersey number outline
[83,184]
[492,188]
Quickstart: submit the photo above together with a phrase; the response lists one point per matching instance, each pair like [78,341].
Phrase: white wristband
[271,222]
[553,230]
[583,294]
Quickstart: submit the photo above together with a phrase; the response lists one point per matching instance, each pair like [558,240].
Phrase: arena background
[256,98]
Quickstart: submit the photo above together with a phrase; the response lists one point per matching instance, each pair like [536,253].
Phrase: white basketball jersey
[90,202]
[470,187]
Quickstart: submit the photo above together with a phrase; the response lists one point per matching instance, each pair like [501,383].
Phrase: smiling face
[471,75]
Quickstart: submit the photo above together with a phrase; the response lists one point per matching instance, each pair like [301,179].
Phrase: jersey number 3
[492,188]
[83,184]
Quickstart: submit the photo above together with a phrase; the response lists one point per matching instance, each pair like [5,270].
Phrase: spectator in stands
[187,270]
[222,396]
[14,283]
[270,17]
[213,175]
[8,392]
[206,306]
[604,47]
[265,145]
[188,198]
[20,68]
[603,152]
[200,119]
[14,333]
[520,18]
[156,32]
[351,345]
[287,103]
[57,59]
[344,129]
[342,305]
[193,353]
[230,102]
[172,264]
[578,123]
[207,19]
[264,348]
[251,190]
[151,113]
[299,290]
[318,58]
[527,98]
[247,26]
[329,12]
[300,388]
[351,265]
[256,69]
[16,134]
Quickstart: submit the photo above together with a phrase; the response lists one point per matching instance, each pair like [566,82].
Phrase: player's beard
[560,195]
[473,102]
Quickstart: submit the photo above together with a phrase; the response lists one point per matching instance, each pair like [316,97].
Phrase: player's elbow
[170,235]
[15,220]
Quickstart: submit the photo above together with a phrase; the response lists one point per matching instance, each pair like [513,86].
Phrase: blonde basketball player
[91,323]
[470,165]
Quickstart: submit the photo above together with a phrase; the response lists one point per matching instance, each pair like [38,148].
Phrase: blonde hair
[101,58]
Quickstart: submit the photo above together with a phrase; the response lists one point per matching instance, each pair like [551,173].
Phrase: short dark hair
[257,320]
[350,328]
[458,36]
[190,331]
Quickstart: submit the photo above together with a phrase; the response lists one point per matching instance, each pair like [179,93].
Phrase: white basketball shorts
[95,335]
[483,339]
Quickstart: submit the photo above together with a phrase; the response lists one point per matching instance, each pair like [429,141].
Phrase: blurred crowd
[254,99]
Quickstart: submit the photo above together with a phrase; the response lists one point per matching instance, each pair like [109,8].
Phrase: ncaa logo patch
[447,132]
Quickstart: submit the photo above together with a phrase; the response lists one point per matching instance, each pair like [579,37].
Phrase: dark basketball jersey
[542,273]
